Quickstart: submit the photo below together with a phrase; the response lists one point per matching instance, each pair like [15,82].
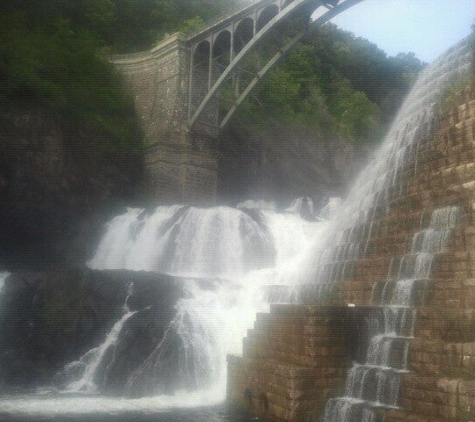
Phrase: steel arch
[329,9]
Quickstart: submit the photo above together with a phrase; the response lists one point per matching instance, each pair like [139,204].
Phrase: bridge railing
[237,7]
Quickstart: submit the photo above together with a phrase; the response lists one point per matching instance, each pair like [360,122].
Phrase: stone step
[360,410]
[383,292]
[317,357]
[405,416]
[446,323]
[275,340]
[442,354]
[449,399]
[438,357]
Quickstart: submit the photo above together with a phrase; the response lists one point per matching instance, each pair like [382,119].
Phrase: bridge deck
[241,7]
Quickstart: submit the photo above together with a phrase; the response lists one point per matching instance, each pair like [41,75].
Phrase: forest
[54,54]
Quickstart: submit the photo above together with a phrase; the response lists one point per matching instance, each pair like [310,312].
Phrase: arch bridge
[188,88]
[221,55]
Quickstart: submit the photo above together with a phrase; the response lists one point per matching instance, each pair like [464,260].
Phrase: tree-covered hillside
[338,84]
[54,53]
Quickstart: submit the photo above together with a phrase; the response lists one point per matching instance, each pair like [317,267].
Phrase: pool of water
[217,413]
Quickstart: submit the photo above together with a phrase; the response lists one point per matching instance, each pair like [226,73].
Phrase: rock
[57,188]
[48,319]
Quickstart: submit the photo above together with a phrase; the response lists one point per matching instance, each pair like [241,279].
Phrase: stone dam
[317,362]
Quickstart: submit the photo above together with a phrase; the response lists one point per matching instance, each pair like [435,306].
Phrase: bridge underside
[187,89]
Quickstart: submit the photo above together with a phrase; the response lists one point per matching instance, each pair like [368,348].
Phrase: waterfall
[89,363]
[241,253]
[347,239]
[85,369]
[376,383]
[197,242]
[240,246]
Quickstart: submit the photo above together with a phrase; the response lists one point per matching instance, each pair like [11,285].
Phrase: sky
[425,27]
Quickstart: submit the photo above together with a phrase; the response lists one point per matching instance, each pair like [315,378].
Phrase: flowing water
[242,252]
[376,383]
[369,197]
[249,250]
[3,276]
[88,364]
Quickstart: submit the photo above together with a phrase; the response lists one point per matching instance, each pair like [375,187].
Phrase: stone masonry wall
[294,359]
[177,168]
[440,384]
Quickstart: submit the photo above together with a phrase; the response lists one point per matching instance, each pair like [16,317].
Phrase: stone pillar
[178,167]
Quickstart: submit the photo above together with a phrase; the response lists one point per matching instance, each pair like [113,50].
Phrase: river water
[56,409]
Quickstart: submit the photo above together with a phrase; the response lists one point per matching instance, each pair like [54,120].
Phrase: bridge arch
[201,53]
[249,30]
[188,87]
[243,34]
[201,70]
[221,53]
[266,15]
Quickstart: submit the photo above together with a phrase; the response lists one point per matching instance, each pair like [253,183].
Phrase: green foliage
[452,95]
[356,115]
[58,66]
[53,53]
[338,83]
[191,24]
[138,24]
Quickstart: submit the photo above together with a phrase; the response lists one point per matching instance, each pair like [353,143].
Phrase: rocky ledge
[50,318]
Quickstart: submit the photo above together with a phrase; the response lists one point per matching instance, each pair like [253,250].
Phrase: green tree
[338,83]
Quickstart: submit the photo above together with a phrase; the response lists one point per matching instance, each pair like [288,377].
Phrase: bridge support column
[178,166]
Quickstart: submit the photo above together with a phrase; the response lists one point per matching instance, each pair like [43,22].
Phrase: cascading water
[250,250]
[376,383]
[3,276]
[347,239]
[85,369]
[239,253]
[194,243]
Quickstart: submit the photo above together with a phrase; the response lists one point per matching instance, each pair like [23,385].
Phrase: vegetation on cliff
[339,84]
[460,86]
[49,62]
[54,54]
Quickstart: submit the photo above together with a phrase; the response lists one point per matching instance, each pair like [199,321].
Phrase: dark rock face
[283,162]
[48,319]
[141,335]
[56,185]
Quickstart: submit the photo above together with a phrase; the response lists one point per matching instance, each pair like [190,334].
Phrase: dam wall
[436,383]
[294,359]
